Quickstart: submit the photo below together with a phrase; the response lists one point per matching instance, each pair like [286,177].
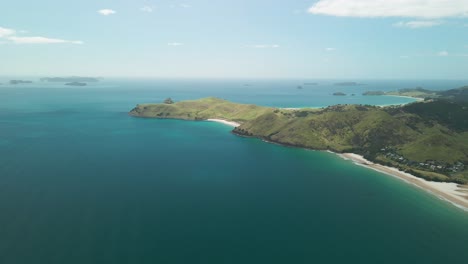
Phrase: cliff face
[427,138]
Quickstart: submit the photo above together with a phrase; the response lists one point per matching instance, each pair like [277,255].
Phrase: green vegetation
[429,139]
[460,94]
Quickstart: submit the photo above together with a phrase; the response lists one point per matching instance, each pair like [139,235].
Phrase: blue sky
[395,39]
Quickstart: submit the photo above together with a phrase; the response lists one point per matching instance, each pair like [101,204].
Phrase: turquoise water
[82,182]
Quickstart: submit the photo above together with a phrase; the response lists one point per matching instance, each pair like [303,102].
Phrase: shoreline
[418,99]
[453,193]
[226,122]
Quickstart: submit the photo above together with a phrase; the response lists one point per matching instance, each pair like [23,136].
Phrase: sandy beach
[418,99]
[451,192]
[229,123]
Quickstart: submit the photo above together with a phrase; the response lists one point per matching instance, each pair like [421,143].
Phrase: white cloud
[40,40]
[264,46]
[330,49]
[184,5]
[175,44]
[10,36]
[6,32]
[418,24]
[106,12]
[391,8]
[147,9]
[443,53]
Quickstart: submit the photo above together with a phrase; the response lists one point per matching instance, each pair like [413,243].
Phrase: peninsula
[428,139]
[460,94]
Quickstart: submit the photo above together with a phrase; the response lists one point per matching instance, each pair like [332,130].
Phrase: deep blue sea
[83,182]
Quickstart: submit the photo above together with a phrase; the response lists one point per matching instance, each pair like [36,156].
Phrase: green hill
[460,94]
[201,109]
[428,139]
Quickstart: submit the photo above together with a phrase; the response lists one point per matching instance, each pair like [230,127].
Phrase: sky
[315,39]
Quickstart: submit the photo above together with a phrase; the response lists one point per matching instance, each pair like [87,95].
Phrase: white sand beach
[451,192]
[229,123]
[418,99]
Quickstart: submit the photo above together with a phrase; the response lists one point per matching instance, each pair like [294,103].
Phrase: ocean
[83,182]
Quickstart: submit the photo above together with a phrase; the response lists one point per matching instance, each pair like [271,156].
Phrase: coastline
[451,192]
[226,122]
[456,194]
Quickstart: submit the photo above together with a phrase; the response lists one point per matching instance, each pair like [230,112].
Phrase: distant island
[339,94]
[348,84]
[373,93]
[427,139]
[15,82]
[76,84]
[70,79]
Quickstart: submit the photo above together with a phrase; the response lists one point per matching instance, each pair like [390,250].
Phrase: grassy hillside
[429,139]
[202,109]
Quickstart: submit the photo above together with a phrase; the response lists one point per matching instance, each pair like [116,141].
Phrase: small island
[373,93]
[76,84]
[15,82]
[72,79]
[339,94]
